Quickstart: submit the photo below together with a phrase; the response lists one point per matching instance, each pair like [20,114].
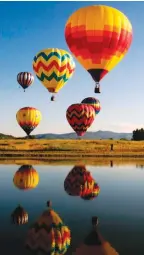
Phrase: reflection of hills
[48,235]
[139,166]
[26,178]
[79,182]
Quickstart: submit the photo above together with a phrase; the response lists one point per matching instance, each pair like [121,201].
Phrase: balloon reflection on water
[79,182]
[26,178]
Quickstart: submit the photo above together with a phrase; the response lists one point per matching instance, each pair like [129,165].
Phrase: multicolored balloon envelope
[26,178]
[28,118]
[80,117]
[25,79]
[53,67]
[79,182]
[19,216]
[99,36]
[90,194]
[48,235]
[95,103]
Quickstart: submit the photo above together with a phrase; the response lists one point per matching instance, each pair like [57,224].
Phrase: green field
[69,149]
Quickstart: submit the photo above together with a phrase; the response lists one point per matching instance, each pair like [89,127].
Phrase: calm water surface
[119,206]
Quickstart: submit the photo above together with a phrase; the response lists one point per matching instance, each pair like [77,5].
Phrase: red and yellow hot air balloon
[95,103]
[79,182]
[48,235]
[99,36]
[26,178]
[53,67]
[25,79]
[80,117]
[28,118]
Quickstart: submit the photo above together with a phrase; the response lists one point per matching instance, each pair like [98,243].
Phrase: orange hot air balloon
[80,117]
[99,36]
[26,178]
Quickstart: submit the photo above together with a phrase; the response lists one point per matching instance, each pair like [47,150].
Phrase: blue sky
[28,27]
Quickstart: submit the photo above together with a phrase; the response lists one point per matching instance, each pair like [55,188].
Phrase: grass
[69,149]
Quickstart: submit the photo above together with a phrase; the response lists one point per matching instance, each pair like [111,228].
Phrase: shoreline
[34,154]
[97,161]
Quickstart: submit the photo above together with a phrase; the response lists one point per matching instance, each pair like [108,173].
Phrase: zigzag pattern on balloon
[51,64]
[38,226]
[43,76]
[47,57]
[38,240]
[79,114]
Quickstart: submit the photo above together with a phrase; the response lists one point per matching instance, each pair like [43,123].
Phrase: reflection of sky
[119,204]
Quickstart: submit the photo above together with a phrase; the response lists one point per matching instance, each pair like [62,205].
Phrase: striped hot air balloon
[26,178]
[19,216]
[95,103]
[99,36]
[25,79]
[79,182]
[53,67]
[28,118]
[80,117]
[48,235]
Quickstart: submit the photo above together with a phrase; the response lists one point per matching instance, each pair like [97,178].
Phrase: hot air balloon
[93,102]
[53,67]
[80,117]
[99,36]
[28,118]
[25,79]
[95,244]
[26,178]
[48,235]
[19,216]
[79,182]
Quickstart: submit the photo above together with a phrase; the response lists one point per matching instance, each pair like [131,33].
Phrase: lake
[119,206]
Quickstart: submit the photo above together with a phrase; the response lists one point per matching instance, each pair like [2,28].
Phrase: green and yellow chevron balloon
[53,67]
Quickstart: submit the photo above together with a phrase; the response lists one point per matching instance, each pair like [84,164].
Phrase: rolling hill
[89,135]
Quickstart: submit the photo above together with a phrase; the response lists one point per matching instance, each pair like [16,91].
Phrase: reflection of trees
[139,166]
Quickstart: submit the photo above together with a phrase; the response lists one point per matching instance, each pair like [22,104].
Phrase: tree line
[138,135]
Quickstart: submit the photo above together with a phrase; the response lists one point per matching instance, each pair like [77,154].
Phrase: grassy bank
[69,149]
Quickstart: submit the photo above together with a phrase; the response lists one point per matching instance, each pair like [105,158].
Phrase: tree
[138,135]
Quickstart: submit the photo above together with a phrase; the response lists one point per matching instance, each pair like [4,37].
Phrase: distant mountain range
[89,135]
